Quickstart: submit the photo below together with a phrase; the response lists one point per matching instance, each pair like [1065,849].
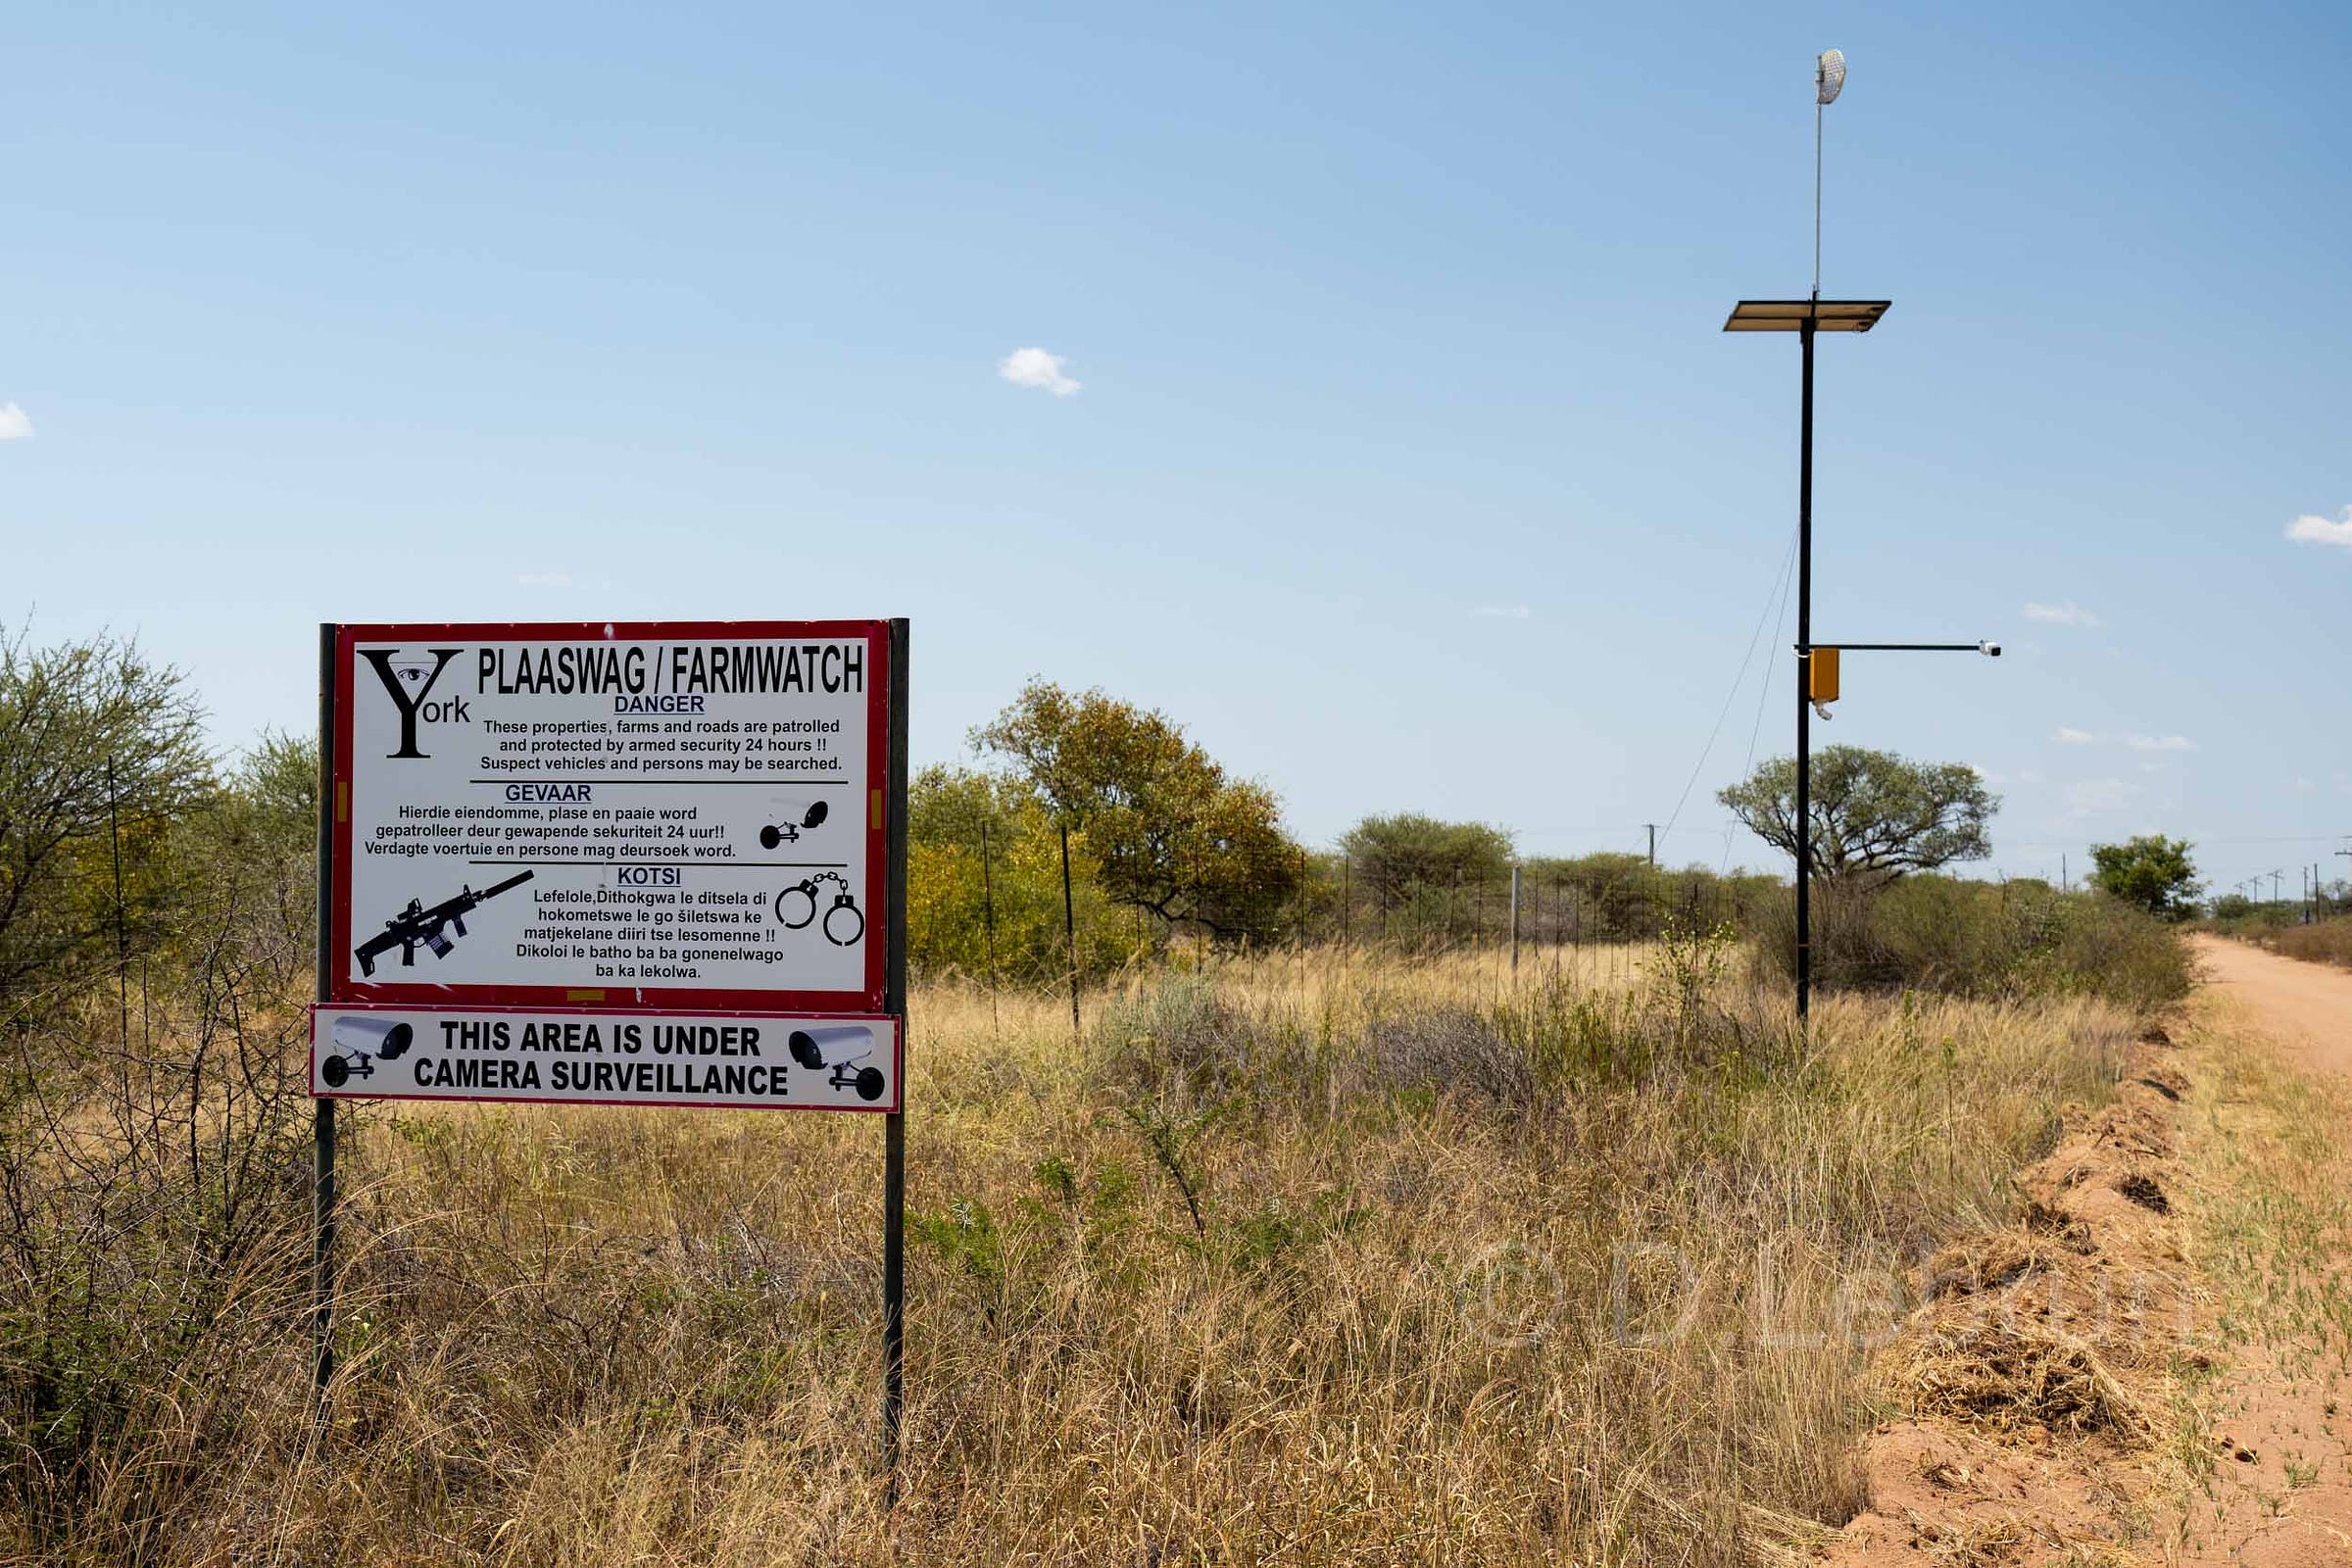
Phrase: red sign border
[898,1055]
[342,991]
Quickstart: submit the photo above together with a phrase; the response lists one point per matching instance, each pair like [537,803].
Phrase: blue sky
[1407,464]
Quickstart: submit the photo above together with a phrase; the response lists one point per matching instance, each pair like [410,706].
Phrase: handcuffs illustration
[844,922]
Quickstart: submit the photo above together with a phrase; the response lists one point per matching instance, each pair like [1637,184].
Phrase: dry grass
[2325,942]
[1586,1267]
[2014,1375]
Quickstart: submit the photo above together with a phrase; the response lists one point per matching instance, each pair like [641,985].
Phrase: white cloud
[2067,613]
[1504,611]
[1037,369]
[2068,735]
[2306,530]
[15,423]
[2092,797]
[543,580]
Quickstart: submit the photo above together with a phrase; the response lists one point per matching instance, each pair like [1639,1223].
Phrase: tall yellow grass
[1461,1292]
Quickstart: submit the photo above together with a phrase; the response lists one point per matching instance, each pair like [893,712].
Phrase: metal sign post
[894,1125]
[653,863]
[322,1111]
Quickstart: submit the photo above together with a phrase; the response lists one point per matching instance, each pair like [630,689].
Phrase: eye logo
[413,706]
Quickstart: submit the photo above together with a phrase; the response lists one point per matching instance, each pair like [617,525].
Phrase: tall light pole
[1817,678]
[1807,318]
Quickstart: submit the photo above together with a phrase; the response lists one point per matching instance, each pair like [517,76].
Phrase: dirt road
[2304,1005]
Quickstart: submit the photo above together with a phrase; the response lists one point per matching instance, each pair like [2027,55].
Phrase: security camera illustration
[799,815]
[796,905]
[418,926]
[841,1048]
[359,1043]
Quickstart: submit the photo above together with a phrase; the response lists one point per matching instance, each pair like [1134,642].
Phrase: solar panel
[1790,316]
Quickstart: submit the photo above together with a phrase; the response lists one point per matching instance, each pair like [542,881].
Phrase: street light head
[1990,650]
[1829,76]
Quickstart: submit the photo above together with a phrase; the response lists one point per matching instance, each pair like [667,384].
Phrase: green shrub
[1979,939]
[2327,942]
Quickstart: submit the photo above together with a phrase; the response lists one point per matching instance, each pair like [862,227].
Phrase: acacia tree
[1397,855]
[98,747]
[2152,871]
[1874,815]
[1168,830]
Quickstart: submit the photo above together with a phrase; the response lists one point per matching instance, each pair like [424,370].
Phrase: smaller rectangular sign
[587,1056]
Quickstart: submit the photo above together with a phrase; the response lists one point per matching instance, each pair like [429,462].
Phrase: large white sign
[645,815]
[583,1056]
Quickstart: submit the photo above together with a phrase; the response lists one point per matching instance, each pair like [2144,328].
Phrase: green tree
[1167,829]
[2152,871]
[1399,856]
[1875,815]
[247,866]
[958,888]
[98,747]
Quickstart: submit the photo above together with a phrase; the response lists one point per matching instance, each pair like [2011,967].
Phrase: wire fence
[1580,903]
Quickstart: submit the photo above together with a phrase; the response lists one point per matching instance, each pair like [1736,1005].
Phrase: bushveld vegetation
[2323,941]
[1340,1251]
[2013,939]
[1104,839]
[1383,1258]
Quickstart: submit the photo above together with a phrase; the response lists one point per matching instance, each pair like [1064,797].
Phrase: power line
[1779,619]
[2275,838]
[1729,696]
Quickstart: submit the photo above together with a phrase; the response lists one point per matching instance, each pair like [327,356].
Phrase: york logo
[411,686]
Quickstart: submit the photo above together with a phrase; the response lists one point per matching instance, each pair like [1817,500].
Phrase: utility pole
[2275,877]
[1653,844]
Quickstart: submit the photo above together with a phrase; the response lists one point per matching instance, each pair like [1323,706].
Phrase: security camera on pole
[1818,662]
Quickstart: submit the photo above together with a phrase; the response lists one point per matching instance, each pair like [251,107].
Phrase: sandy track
[2274,1486]
[2298,1004]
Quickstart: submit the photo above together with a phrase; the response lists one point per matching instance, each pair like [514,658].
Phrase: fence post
[988,912]
[1514,919]
[1069,924]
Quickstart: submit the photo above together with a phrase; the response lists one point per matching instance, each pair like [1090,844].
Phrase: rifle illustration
[417,924]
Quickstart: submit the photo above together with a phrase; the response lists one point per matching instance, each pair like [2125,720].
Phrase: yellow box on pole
[1821,675]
